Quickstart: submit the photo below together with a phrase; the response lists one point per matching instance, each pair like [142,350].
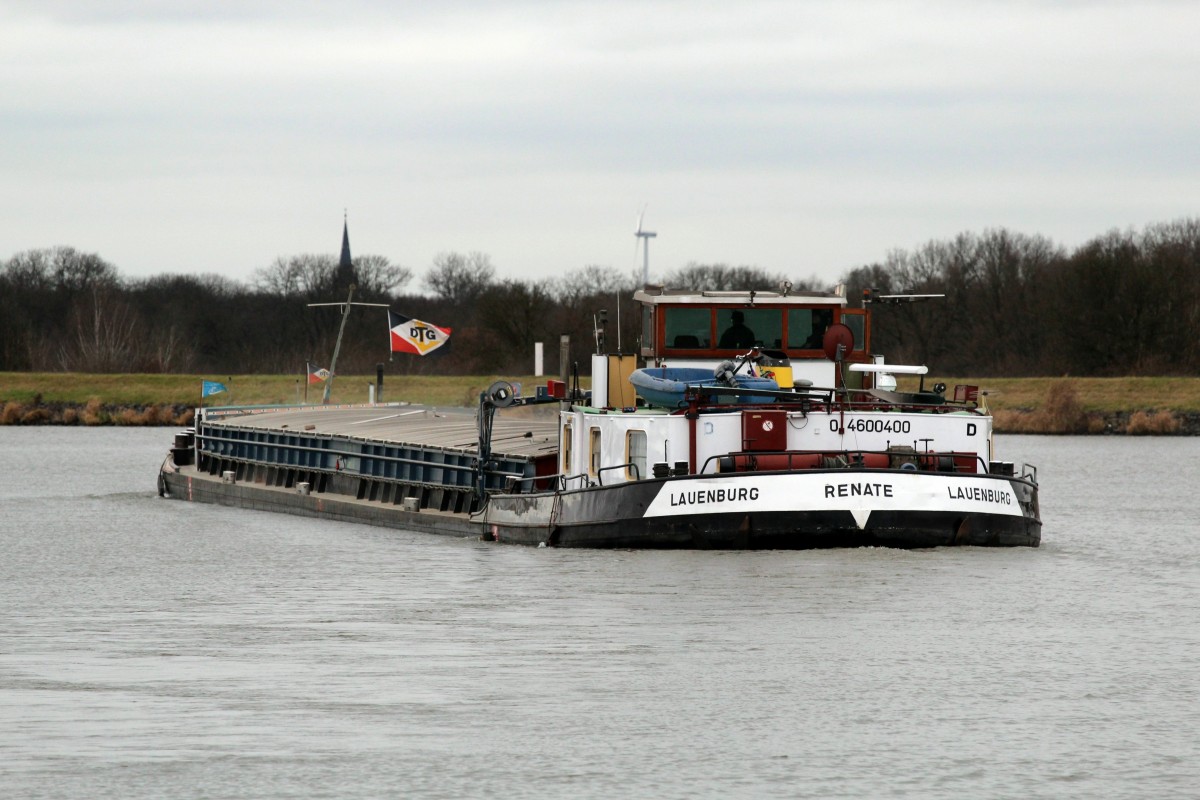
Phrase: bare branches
[1125,302]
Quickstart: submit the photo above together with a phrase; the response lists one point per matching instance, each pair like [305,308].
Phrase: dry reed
[1159,423]
[93,412]
[35,416]
[12,413]
[1060,413]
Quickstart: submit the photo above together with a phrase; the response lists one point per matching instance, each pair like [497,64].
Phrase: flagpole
[306,378]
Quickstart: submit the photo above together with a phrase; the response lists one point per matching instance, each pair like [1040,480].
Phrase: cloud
[200,136]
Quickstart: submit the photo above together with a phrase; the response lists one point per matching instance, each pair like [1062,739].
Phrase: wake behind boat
[757,420]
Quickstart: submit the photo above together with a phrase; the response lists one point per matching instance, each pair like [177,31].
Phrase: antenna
[645,236]
[618,302]
[873,296]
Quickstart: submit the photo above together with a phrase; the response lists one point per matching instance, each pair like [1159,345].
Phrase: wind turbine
[645,236]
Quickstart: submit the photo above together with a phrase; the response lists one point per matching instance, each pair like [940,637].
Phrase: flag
[316,374]
[211,387]
[414,336]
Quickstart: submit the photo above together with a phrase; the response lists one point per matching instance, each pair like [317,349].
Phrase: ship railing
[628,466]
[950,461]
[332,459]
[236,443]
[564,481]
[557,481]
[812,398]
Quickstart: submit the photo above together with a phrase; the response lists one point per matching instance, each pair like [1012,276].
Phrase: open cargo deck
[386,460]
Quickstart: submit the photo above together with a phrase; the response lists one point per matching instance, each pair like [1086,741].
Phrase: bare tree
[460,278]
[591,281]
[722,277]
[105,337]
[305,275]
[517,314]
[378,276]
[74,271]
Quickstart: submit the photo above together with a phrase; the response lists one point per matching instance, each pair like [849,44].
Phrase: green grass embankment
[1134,405]
[77,398]
[1030,405]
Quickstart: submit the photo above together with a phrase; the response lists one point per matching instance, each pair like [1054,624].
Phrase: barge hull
[190,484]
[801,531]
[630,516]
[574,519]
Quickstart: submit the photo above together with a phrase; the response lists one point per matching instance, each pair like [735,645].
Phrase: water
[155,648]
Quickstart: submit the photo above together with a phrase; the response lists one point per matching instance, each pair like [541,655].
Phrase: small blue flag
[212,387]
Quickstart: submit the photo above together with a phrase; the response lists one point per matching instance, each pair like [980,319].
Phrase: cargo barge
[756,420]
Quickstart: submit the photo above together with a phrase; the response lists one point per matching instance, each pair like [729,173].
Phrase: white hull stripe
[859,493]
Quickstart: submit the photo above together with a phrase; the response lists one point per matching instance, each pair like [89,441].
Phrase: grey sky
[799,137]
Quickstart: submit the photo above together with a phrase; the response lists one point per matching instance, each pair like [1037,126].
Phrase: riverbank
[65,398]
[1133,406]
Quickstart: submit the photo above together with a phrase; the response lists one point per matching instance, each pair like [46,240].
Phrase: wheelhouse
[709,327]
[695,325]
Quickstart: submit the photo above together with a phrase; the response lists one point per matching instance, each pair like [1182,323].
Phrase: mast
[345,272]
[338,346]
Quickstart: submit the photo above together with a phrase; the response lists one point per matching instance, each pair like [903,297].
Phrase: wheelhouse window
[723,329]
[566,449]
[807,326]
[743,328]
[593,451]
[688,328]
[857,323]
[635,454]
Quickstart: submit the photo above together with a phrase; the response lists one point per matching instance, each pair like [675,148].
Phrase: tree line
[1123,303]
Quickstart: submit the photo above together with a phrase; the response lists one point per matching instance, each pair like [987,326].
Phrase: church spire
[345,263]
[345,269]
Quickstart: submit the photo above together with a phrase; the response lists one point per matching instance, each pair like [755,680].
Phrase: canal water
[154,648]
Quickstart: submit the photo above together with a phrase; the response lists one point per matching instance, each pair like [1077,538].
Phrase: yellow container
[775,364]
[781,375]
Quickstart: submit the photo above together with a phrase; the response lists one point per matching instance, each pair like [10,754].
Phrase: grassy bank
[1099,395]
[1033,405]
[1136,406]
[135,390]
[75,398]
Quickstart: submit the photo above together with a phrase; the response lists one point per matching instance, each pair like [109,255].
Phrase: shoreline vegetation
[1096,406]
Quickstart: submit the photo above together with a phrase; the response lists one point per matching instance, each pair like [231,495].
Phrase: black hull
[199,487]
[621,516]
[617,517]
[777,531]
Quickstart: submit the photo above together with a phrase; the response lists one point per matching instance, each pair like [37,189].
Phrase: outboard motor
[724,373]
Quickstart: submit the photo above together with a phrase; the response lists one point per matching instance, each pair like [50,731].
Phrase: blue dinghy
[665,386]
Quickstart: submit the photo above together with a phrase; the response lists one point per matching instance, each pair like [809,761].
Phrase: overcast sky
[799,137]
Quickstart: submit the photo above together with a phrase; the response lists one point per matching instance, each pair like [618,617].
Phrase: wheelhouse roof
[658,295]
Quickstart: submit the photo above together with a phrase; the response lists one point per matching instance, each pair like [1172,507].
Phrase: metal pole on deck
[341,330]
[564,357]
[337,347]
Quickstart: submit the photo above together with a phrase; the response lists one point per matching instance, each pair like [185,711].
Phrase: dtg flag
[315,374]
[414,336]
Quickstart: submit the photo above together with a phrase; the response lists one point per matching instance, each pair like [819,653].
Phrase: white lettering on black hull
[706,496]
